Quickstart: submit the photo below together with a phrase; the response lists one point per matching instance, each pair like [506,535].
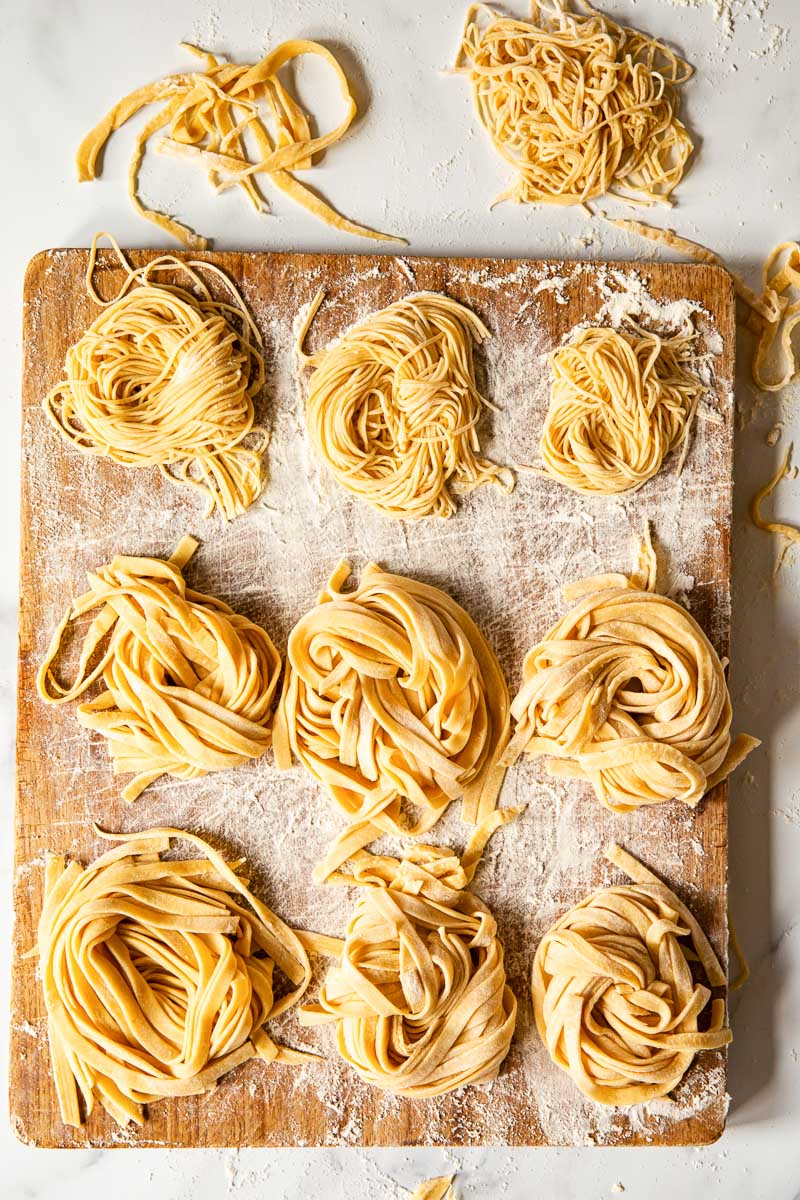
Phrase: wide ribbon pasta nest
[614,993]
[189,683]
[158,975]
[419,996]
[627,692]
[395,702]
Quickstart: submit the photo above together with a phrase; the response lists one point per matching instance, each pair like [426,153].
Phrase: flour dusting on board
[504,559]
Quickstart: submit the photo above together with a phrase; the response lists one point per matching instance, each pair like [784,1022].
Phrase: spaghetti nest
[392,407]
[158,975]
[627,691]
[419,996]
[395,702]
[189,683]
[614,994]
[166,377]
[619,403]
[579,106]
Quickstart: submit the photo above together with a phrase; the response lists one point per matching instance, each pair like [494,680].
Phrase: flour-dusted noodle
[392,407]
[395,702]
[627,692]
[620,401]
[209,115]
[158,975]
[189,683]
[419,996]
[614,993]
[579,106]
[166,377]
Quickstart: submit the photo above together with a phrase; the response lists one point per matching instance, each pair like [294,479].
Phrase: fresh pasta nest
[614,993]
[419,997]
[627,692]
[395,702]
[579,106]
[166,377]
[189,683]
[158,975]
[620,401]
[392,407]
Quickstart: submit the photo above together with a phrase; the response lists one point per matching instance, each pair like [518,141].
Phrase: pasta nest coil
[158,975]
[395,702]
[189,683]
[419,997]
[627,692]
[614,993]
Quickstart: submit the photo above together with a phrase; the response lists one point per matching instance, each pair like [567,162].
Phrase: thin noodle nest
[189,683]
[620,402]
[614,994]
[166,377]
[392,407]
[579,106]
[158,975]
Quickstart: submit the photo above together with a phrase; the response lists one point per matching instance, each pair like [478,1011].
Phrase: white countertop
[417,164]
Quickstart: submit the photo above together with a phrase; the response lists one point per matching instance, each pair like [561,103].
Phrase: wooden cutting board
[503,558]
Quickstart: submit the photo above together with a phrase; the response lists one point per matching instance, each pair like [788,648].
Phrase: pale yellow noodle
[207,113]
[419,997]
[579,106]
[627,692]
[189,683]
[395,702]
[620,401]
[392,407]
[614,991]
[166,377]
[158,975]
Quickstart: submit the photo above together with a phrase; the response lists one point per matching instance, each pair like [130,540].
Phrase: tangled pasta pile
[395,702]
[158,975]
[166,377]
[189,683]
[419,997]
[627,691]
[210,113]
[578,105]
[620,401]
[392,407]
[613,990]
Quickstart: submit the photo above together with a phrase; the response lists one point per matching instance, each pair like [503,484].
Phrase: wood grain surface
[503,558]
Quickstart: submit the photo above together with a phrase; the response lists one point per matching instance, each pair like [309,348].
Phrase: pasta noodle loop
[627,692]
[395,702]
[392,407]
[158,975]
[614,994]
[579,106]
[208,115]
[166,377]
[189,683]
[419,997]
[620,401]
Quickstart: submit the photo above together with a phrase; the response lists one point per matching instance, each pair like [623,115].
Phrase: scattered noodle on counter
[440,1188]
[627,692]
[208,115]
[579,106]
[419,996]
[789,533]
[614,994]
[158,975]
[392,407]
[395,702]
[189,682]
[620,401]
[166,377]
